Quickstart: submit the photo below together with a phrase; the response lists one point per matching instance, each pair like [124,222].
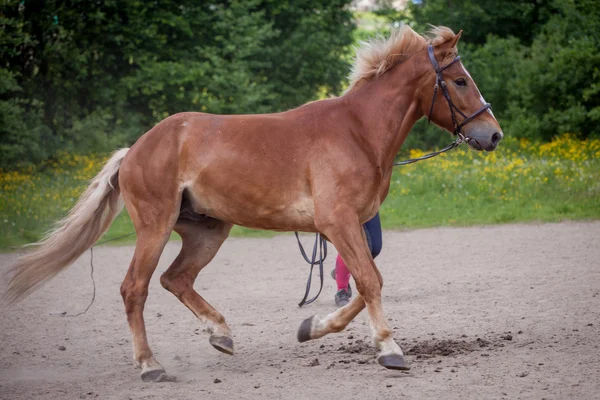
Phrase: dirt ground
[506,312]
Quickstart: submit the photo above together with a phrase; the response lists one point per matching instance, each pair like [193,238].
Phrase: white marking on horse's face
[483,102]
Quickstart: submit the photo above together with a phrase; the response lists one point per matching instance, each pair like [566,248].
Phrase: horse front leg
[346,234]
[315,327]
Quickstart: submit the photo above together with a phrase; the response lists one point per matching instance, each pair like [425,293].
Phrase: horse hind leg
[201,239]
[134,290]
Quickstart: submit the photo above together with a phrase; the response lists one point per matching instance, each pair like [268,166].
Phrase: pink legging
[342,275]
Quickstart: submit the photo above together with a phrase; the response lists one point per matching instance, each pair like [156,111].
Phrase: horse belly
[256,210]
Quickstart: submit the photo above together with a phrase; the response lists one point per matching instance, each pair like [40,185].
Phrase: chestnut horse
[323,167]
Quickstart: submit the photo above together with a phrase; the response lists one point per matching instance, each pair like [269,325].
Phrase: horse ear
[455,40]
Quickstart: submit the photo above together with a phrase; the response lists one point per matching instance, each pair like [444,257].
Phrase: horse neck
[388,107]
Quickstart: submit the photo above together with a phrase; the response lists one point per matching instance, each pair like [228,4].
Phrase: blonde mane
[375,56]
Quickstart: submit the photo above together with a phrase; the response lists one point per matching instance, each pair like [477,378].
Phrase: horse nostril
[496,138]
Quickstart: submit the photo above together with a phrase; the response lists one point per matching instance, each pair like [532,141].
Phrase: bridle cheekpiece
[440,83]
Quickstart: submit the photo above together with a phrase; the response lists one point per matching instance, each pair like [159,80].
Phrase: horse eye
[460,82]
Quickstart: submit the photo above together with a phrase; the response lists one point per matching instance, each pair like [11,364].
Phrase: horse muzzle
[484,138]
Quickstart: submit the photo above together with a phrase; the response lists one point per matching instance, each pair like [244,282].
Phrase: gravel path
[504,312]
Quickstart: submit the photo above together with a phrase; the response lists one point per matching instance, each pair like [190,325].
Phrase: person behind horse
[341,274]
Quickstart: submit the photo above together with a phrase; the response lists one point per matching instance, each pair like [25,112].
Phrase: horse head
[451,98]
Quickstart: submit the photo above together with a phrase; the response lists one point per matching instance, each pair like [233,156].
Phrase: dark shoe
[342,297]
[349,288]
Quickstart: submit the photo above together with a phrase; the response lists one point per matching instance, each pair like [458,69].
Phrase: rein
[459,140]
[320,243]
[64,313]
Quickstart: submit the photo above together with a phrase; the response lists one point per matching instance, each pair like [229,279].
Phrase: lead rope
[459,140]
[64,313]
[321,244]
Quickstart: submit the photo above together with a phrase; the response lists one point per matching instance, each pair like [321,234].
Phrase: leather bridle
[440,83]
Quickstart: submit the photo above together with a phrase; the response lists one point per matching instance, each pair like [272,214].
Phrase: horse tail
[78,231]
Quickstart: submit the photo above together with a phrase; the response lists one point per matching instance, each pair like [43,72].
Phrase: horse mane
[377,55]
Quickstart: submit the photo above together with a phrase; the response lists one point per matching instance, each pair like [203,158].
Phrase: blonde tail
[84,225]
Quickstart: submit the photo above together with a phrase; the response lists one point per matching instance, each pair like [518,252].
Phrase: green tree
[555,88]
[310,45]
[536,62]
[23,136]
[480,18]
[94,75]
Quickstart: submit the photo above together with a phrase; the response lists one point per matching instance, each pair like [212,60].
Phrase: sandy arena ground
[506,312]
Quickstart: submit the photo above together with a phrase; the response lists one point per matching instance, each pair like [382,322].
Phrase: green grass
[520,182]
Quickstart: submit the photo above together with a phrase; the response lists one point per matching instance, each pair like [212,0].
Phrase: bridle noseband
[453,109]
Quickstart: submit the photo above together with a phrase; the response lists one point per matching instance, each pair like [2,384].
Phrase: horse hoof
[222,343]
[393,361]
[154,375]
[305,329]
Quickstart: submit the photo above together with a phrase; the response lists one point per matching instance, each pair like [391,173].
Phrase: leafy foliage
[556,88]
[88,76]
[481,18]
[536,62]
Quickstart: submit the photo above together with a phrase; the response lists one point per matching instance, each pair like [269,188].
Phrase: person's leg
[342,278]
[374,237]
[342,274]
